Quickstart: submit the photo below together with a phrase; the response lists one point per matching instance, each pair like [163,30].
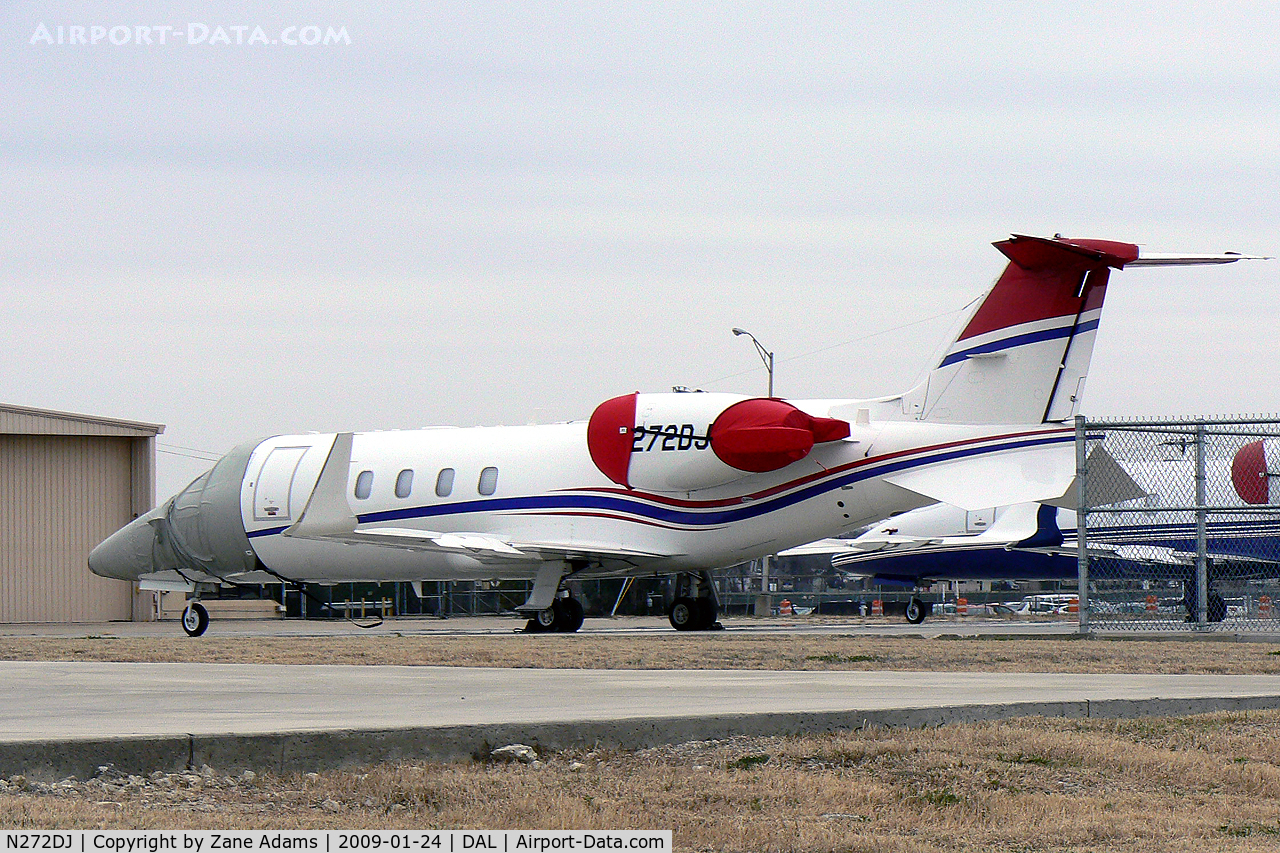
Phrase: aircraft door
[273,487]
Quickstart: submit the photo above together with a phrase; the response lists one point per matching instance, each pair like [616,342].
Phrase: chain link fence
[1179,525]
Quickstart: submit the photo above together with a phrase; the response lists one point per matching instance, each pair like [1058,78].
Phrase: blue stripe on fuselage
[704,518]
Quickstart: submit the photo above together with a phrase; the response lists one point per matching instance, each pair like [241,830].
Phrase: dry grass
[677,651]
[1208,782]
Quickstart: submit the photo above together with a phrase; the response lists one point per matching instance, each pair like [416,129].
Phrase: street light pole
[764,603]
[765,355]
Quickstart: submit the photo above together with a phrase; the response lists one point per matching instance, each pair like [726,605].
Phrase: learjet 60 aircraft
[652,484]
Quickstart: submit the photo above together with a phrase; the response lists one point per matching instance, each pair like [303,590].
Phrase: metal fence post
[1082,512]
[1202,562]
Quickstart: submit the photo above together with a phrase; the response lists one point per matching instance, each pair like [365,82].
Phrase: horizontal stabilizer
[1158,259]
[1042,253]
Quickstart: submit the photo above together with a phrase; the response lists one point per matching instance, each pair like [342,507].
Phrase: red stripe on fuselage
[802,481]
[618,517]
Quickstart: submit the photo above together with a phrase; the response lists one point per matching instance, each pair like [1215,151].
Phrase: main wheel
[568,615]
[542,621]
[195,619]
[683,614]
[706,612]
[1217,610]
[916,611]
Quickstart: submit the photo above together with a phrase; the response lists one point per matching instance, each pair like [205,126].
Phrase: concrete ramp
[67,718]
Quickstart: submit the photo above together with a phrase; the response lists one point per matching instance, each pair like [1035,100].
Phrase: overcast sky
[504,212]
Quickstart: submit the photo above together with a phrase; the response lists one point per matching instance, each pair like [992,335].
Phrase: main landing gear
[550,608]
[1215,604]
[564,616]
[695,607]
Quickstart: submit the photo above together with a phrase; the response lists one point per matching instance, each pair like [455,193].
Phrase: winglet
[327,512]
[1048,534]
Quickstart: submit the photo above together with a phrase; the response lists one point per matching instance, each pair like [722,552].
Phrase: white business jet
[651,484]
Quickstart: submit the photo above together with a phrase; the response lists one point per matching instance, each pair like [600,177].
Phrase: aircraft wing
[1040,475]
[978,482]
[1109,483]
[490,549]
[821,547]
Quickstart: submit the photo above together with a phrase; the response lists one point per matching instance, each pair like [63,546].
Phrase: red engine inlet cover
[1249,473]
[609,436]
[765,434]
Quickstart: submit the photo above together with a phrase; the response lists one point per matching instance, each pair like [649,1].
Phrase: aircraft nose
[125,554]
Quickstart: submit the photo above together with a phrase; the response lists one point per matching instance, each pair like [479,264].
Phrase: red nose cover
[1249,473]
[609,437]
[764,434]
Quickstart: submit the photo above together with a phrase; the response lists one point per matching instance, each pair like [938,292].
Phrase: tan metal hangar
[68,481]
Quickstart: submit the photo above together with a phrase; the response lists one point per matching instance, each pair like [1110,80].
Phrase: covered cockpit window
[185,518]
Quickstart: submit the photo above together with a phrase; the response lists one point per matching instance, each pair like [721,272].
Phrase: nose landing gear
[917,610]
[195,619]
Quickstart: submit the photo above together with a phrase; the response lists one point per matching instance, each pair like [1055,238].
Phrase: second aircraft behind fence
[652,484]
[1142,538]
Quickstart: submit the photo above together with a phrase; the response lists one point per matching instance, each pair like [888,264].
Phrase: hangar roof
[22,420]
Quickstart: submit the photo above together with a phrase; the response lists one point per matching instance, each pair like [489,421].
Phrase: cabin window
[404,483]
[444,483]
[364,485]
[488,481]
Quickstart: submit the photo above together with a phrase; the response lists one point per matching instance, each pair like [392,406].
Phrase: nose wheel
[917,610]
[195,619]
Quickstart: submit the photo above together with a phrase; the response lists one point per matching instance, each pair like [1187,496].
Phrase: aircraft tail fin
[1023,354]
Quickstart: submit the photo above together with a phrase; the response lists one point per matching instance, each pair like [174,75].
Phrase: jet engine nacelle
[682,442]
[1254,470]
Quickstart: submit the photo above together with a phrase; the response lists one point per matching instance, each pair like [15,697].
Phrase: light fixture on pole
[764,604]
[765,355]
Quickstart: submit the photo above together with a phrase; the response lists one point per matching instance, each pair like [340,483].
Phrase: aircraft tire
[683,614]
[195,619]
[543,621]
[568,615]
[706,613]
[1217,610]
[917,610]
